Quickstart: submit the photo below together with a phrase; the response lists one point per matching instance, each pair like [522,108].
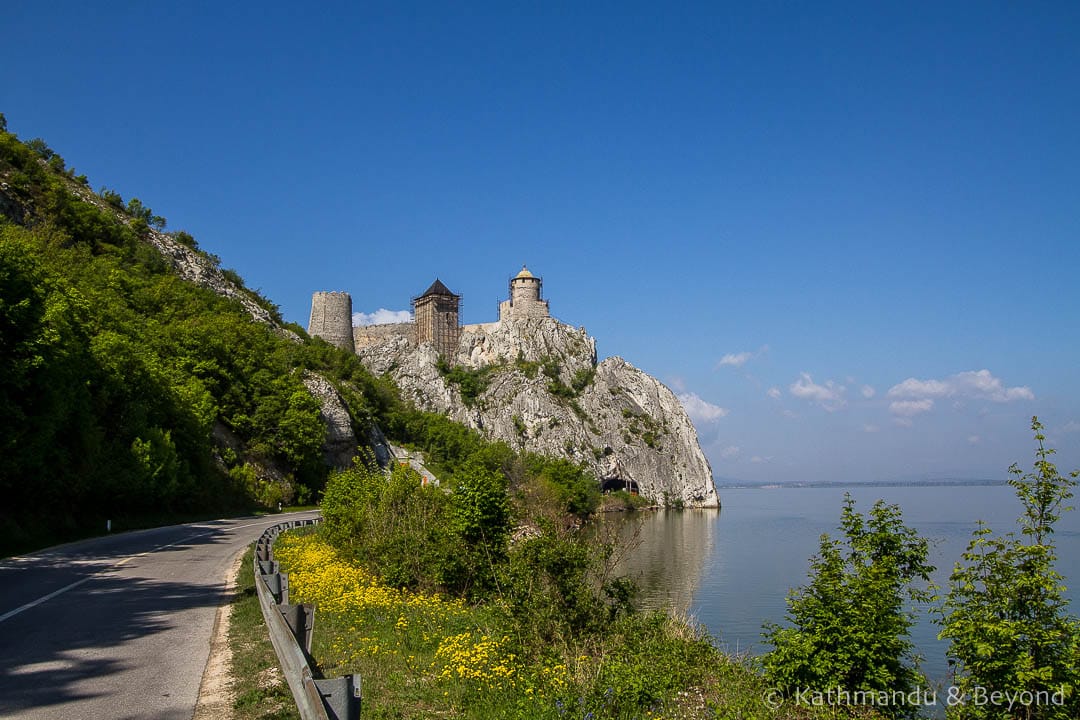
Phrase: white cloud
[382,316]
[974,439]
[700,410]
[730,451]
[972,384]
[790,414]
[1071,427]
[735,359]
[773,392]
[829,396]
[909,408]
[868,392]
[870,428]
[760,459]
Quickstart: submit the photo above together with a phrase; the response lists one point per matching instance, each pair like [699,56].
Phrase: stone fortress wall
[436,316]
[368,335]
[331,318]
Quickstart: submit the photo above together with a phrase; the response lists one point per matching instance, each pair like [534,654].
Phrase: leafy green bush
[471,382]
[391,523]
[1005,614]
[552,587]
[849,626]
[582,379]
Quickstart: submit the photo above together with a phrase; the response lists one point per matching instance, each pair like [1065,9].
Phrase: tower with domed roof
[525,298]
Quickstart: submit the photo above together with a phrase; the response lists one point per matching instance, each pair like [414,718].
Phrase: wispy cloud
[773,392]
[973,384]
[910,408]
[829,396]
[737,360]
[382,316]
[974,439]
[699,410]
[870,428]
[1071,427]
[868,392]
[729,452]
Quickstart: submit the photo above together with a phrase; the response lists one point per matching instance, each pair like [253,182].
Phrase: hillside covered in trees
[129,392]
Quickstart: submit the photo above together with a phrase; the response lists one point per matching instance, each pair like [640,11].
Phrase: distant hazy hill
[898,482]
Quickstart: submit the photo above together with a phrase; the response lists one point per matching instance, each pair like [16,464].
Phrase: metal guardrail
[290,627]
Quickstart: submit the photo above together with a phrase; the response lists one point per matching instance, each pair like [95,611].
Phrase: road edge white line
[44,598]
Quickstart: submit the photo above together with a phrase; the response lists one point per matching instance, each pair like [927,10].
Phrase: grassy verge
[422,655]
[260,689]
[622,501]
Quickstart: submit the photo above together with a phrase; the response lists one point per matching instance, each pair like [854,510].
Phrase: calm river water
[731,570]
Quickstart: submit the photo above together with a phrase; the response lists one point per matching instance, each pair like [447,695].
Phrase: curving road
[117,627]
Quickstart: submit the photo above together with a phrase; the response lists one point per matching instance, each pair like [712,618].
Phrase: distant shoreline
[947,482]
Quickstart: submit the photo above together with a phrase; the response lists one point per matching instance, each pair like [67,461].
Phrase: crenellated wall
[368,335]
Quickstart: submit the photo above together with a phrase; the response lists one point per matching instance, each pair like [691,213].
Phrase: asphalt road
[118,627]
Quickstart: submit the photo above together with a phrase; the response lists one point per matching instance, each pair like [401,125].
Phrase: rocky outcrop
[543,391]
[339,448]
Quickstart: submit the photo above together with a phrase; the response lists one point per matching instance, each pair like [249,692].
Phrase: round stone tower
[525,287]
[525,297]
[331,319]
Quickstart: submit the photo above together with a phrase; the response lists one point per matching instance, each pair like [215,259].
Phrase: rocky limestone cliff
[543,391]
[339,448]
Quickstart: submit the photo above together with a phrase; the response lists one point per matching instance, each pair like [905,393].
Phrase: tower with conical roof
[437,319]
[525,297]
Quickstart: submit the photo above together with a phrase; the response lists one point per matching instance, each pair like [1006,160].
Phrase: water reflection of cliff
[665,552]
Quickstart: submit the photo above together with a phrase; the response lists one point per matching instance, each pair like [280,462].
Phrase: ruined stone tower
[331,318]
[525,300]
[436,316]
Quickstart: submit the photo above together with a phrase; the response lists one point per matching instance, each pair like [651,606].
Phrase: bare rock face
[340,444]
[546,393]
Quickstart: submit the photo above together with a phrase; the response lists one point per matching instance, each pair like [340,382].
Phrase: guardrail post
[301,620]
[341,696]
[278,583]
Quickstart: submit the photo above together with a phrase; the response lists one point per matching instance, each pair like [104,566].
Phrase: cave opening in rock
[613,484]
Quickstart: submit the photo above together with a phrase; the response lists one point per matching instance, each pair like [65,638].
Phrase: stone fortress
[436,316]
[544,390]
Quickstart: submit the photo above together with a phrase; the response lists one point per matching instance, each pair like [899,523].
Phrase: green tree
[1005,614]
[850,625]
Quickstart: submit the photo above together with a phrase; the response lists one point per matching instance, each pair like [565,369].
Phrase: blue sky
[846,233]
